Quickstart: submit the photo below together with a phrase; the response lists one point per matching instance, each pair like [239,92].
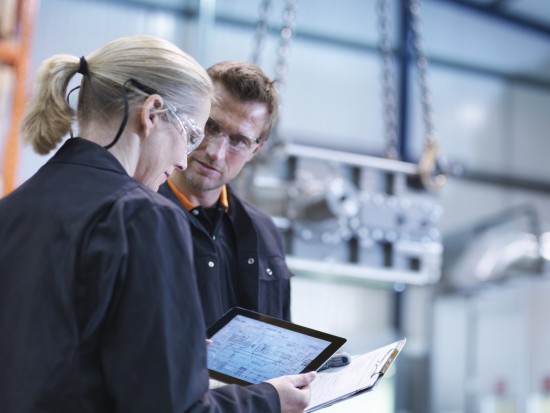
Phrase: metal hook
[431,174]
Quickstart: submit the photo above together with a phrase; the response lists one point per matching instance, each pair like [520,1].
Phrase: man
[238,250]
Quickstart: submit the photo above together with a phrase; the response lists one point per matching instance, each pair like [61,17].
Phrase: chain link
[389,93]
[285,38]
[283,51]
[433,166]
[422,71]
[261,31]
[277,140]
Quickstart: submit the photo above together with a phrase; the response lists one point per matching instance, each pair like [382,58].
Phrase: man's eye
[193,138]
[239,141]
[212,127]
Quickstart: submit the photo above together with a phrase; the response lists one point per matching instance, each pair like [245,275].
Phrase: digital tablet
[249,347]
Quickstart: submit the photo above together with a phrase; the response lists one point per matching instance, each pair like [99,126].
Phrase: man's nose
[216,148]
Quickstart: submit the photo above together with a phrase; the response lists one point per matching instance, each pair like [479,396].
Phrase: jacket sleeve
[233,398]
[153,350]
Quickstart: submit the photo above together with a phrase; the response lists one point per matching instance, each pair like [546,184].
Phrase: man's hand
[294,391]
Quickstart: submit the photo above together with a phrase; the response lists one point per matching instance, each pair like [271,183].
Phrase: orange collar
[188,204]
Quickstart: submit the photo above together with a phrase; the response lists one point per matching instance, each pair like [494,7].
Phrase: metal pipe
[323,269]
[403,79]
[348,158]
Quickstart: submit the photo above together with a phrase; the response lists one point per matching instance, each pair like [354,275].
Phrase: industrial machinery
[353,215]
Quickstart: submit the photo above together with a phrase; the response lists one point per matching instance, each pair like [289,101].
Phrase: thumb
[302,380]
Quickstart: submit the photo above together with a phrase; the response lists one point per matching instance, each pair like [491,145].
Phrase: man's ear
[150,115]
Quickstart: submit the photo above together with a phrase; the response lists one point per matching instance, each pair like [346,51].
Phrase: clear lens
[236,143]
[194,134]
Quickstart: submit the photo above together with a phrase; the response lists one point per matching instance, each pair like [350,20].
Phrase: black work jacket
[99,309]
[263,276]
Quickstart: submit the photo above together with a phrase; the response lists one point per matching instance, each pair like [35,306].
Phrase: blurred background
[409,173]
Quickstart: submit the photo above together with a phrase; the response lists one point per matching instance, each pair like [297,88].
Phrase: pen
[337,360]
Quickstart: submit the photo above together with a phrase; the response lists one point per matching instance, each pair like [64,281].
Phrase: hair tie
[83,68]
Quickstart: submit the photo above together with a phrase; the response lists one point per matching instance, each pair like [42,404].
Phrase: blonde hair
[152,61]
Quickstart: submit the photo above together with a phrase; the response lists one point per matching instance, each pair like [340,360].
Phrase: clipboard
[360,376]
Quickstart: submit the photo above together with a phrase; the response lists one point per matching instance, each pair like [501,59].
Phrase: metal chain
[277,141]
[422,70]
[389,93]
[261,30]
[432,166]
[430,169]
[283,51]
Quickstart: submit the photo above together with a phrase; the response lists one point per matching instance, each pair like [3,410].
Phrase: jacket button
[269,272]
[210,264]
[195,212]
[251,260]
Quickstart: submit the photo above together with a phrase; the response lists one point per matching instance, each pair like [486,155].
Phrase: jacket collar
[84,152]
[224,200]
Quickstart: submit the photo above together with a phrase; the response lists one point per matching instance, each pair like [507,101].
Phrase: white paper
[362,373]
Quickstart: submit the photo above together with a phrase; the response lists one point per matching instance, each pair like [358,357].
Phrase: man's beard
[195,181]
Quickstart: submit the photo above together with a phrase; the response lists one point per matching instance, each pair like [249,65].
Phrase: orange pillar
[17,54]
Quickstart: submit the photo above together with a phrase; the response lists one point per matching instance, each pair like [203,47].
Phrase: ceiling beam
[500,14]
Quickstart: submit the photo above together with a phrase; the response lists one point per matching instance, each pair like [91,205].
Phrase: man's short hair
[247,82]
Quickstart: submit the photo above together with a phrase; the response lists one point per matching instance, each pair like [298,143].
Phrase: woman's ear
[150,114]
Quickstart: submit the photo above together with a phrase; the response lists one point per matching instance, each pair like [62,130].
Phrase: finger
[302,380]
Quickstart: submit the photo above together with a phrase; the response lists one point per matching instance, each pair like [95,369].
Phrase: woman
[94,313]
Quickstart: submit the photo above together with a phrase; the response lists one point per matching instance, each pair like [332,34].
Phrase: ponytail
[49,116]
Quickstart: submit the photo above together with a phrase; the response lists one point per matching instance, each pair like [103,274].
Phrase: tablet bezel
[335,341]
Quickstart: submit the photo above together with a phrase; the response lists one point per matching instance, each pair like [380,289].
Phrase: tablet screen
[249,347]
